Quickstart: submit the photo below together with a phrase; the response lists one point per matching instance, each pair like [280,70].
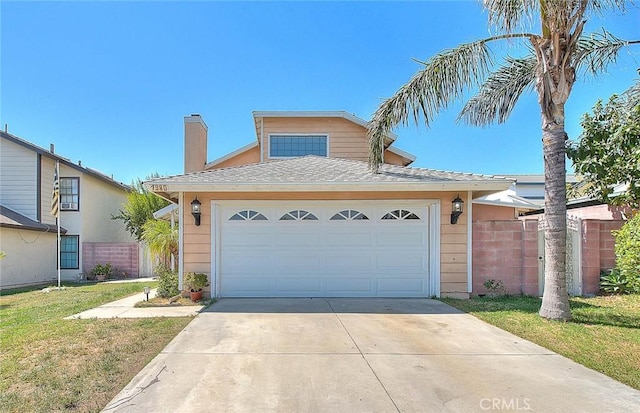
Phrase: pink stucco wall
[123,257]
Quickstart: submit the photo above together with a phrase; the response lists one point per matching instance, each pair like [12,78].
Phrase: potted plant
[101,272]
[194,283]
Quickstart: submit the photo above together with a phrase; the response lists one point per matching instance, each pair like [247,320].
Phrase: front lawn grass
[604,333]
[50,364]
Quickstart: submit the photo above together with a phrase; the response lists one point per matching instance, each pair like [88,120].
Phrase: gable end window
[248,215]
[69,252]
[70,194]
[298,215]
[288,146]
[400,214]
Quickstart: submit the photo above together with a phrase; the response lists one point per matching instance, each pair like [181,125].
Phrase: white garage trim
[434,246]
[270,232]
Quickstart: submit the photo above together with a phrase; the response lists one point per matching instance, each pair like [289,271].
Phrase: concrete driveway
[360,355]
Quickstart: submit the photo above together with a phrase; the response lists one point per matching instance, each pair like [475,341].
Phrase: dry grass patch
[603,335]
[51,364]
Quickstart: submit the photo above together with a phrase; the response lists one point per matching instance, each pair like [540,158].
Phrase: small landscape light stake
[147,290]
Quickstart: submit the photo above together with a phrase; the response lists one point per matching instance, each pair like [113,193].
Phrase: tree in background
[162,240]
[549,65]
[140,206]
[607,155]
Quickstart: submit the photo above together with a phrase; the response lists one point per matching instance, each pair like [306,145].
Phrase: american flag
[55,197]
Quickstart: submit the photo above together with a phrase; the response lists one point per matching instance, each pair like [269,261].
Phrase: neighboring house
[298,213]
[531,187]
[28,231]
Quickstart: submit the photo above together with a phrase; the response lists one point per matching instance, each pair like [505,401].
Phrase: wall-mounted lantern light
[456,209]
[195,210]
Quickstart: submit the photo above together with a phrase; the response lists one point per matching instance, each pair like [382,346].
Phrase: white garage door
[323,249]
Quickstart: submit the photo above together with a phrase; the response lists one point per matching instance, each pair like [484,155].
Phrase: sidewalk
[124,308]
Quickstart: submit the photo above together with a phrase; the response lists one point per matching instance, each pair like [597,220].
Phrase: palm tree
[162,240]
[552,60]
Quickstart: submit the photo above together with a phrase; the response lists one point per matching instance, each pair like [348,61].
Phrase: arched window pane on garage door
[248,215]
[349,215]
[298,215]
[400,214]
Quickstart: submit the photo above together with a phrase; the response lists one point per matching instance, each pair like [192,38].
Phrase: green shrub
[495,288]
[628,252]
[168,281]
[613,282]
[195,281]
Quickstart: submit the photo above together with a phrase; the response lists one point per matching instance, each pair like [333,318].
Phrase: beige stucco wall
[453,248]
[31,257]
[493,212]
[247,157]
[99,200]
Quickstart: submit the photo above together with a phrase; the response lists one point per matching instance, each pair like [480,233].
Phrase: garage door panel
[355,238]
[324,257]
[244,263]
[355,262]
[296,238]
[405,286]
[298,285]
[305,262]
[241,237]
[351,285]
[411,237]
[247,286]
[412,262]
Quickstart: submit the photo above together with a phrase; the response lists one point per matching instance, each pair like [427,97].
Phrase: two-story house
[298,213]
[28,231]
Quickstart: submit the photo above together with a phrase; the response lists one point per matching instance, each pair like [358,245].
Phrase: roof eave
[159,187]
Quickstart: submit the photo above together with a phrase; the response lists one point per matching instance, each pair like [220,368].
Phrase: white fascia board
[230,155]
[165,213]
[332,187]
[316,114]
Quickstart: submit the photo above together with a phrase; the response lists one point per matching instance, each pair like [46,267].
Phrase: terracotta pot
[196,295]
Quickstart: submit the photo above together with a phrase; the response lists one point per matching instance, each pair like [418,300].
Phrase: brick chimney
[195,143]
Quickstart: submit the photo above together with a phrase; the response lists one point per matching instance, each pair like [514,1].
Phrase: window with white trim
[400,214]
[349,215]
[70,252]
[69,194]
[298,215]
[287,146]
[248,215]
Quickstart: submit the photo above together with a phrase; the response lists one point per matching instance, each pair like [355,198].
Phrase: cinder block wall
[598,251]
[508,251]
[123,257]
[498,248]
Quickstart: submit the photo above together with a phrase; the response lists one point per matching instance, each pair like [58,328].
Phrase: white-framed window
[400,214]
[349,215]
[248,215]
[289,146]
[70,194]
[298,215]
[70,252]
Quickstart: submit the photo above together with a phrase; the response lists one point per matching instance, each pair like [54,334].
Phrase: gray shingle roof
[11,219]
[320,170]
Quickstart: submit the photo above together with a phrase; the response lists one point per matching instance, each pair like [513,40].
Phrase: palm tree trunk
[555,300]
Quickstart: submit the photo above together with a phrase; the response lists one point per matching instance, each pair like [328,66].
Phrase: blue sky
[109,82]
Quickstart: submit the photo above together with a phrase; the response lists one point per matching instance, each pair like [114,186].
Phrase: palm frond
[631,96]
[507,15]
[499,94]
[443,79]
[596,52]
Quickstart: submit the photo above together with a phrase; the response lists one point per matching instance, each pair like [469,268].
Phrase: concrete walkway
[124,308]
[360,355]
